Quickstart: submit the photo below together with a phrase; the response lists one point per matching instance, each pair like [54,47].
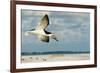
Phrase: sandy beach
[54,57]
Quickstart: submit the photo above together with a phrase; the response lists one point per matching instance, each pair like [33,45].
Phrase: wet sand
[54,57]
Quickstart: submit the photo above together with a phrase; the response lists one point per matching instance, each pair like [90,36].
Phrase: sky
[72,29]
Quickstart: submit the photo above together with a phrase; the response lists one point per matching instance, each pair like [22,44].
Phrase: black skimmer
[40,31]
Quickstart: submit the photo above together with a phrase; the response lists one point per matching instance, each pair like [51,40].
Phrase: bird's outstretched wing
[44,22]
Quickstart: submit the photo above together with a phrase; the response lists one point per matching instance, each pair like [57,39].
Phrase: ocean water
[54,52]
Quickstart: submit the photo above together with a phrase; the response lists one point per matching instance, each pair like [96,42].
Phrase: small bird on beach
[40,31]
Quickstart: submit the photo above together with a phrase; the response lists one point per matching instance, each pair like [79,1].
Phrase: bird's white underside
[37,32]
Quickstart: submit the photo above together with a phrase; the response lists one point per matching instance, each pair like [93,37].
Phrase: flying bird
[41,32]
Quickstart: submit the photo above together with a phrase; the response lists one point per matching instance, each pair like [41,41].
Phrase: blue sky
[71,28]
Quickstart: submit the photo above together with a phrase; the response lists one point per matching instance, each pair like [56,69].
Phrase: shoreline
[54,57]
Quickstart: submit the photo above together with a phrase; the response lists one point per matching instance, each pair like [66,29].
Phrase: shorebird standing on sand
[40,31]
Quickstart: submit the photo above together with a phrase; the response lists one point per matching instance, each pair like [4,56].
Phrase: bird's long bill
[54,37]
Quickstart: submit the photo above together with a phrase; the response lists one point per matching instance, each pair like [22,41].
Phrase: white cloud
[68,34]
[64,27]
[32,13]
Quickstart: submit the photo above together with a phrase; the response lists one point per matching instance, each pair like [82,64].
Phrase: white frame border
[20,65]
